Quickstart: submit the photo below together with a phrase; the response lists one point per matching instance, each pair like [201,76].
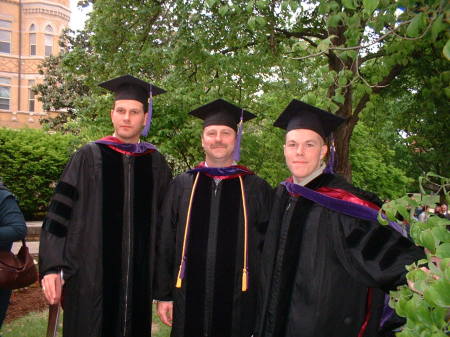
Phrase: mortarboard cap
[300,115]
[130,87]
[221,112]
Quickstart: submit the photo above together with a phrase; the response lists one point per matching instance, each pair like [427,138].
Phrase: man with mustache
[327,262]
[98,238]
[213,224]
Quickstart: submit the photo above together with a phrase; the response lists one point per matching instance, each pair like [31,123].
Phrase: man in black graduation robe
[100,229]
[325,273]
[214,221]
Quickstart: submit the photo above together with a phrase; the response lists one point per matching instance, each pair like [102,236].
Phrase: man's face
[218,143]
[444,208]
[128,118]
[303,151]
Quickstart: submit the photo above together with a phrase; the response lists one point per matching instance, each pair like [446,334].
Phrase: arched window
[32,40]
[48,40]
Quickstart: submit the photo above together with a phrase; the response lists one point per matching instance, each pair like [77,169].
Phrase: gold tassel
[186,227]
[245,262]
[244,280]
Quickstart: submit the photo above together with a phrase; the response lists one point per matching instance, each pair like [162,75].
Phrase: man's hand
[52,287]
[165,312]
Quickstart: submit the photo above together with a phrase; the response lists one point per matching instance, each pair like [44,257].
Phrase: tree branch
[378,87]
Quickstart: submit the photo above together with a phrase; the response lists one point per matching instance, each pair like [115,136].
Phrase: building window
[32,40]
[5,36]
[31,95]
[5,93]
[48,40]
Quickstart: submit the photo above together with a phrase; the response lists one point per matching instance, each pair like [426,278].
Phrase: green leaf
[211,3]
[252,22]
[261,4]
[438,316]
[439,293]
[324,44]
[339,98]
[294,5]
[415,25]
[370,5]
[334,20]
[427,240]
[261,21]
[342,81]
[441,233]
[437,27]
[446,50]
[348,4]
[223,10]
[443,250]
[285,5]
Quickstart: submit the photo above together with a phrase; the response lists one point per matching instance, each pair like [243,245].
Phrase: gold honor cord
[245,268]
[186,229]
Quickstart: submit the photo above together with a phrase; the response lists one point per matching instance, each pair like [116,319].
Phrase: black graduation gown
[210,301]
[100,230]
[324,272]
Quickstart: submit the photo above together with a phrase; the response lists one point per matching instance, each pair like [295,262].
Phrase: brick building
[29,31]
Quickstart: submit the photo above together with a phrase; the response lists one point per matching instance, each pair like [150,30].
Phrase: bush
[425,305]
[31,162]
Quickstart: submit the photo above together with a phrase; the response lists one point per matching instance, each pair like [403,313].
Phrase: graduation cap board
[300,115]
[221,112]
[130,87]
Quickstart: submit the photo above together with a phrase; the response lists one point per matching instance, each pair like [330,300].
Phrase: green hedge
[31,162]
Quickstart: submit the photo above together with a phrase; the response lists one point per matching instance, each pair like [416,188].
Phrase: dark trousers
[5,294]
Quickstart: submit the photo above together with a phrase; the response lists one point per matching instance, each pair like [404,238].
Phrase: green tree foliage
[339,55]
[61,89]
[31,162]
[373,164]
[426,305]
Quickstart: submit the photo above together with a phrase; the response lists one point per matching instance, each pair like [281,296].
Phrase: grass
[31,325]
[35,325]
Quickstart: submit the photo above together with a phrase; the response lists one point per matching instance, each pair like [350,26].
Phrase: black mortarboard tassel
[130,87]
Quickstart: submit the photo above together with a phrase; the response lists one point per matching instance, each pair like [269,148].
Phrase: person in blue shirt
[12,228]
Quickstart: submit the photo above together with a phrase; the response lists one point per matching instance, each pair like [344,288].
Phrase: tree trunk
[342,137]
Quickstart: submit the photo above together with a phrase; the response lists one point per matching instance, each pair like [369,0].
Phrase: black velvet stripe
[54,227]
[225,266]
[194,280]
[67,190]
[60,209]
[113,191]
[142,201]
[290,264]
